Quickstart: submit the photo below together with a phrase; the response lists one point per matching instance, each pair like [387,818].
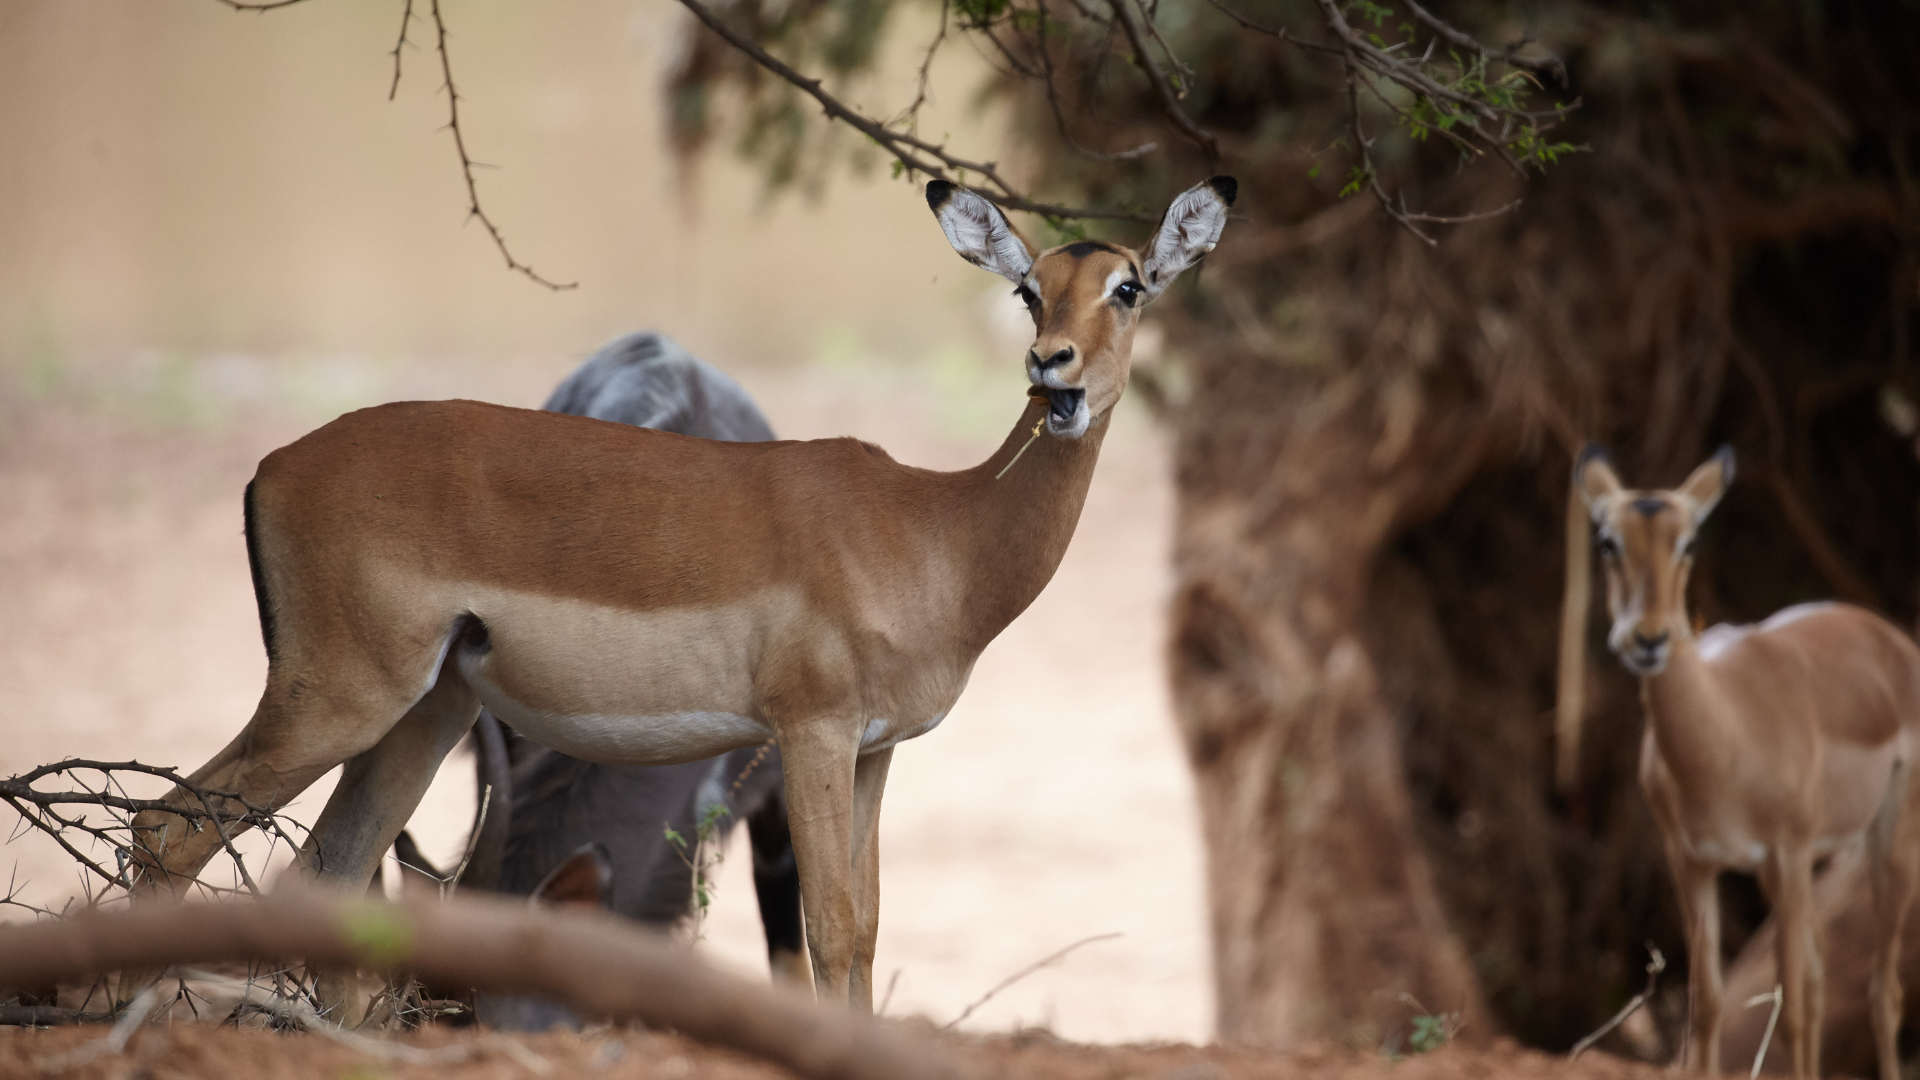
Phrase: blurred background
[216,232]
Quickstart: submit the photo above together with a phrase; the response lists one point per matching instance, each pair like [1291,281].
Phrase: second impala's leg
[1700,908]
[1890,873]
[869,782]
[819,760]
[1788,880]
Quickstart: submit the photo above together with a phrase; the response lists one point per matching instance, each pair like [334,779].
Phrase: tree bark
[1326,920]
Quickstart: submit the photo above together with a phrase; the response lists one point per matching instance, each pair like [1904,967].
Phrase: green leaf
[381,933]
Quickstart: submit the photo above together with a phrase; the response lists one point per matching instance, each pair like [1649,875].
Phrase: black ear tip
[938,192]
[1226,187]
[1589,454]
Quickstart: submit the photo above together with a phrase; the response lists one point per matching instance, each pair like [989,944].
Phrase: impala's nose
[1649,644]
[1062,356]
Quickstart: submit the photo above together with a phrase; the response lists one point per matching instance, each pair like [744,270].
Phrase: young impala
[1767,747]
[632,596]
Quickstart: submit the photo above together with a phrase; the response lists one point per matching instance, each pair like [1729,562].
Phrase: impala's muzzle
[1067,414]
[1643,654]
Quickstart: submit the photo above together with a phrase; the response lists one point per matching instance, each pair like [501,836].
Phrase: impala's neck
[1011,532]
[1686,713]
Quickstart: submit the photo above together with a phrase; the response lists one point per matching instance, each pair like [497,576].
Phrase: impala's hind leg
[381,786]
[301,729]
[378,792]
[1891,873]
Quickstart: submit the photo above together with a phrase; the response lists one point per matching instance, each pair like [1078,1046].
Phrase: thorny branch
[406,22]
[1060,116]
[42,810]
[914,153]
[1169,103]
[467,162]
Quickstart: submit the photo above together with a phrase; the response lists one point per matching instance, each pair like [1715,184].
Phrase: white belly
[615,686]
[663,739]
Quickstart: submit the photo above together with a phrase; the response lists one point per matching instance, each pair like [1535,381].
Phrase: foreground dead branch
[592,962]
[63,817]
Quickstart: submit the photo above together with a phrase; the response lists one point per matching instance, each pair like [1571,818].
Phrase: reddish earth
[165,1053]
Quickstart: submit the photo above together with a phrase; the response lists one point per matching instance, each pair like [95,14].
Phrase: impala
[638,597]
[1767,747]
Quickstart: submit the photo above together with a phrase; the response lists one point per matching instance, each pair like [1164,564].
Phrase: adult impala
[1767,747]
[632,596]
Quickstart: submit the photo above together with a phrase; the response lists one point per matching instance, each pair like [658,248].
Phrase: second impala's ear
[979,231]
[1594,478]
[1708,482]
[1187,231]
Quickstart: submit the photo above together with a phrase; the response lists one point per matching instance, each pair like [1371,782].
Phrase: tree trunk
[1326,920]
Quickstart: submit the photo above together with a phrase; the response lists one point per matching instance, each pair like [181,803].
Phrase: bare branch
[1282,33]
[406,20]
[1059,116]
[1550,64]
[467,162]
[597,964]
[1169,104]
[912,113]
[39,810]
[913,152]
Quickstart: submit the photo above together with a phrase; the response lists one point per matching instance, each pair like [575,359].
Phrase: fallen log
[592,961]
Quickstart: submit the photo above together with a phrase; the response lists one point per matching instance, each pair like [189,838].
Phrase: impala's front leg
[1789,881]
[819,760]
[869,781]
[1700,907]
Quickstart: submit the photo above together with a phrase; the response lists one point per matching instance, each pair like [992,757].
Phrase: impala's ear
[1593,477]
[584,879]
[979,231]
[1187,231]
[1708,482]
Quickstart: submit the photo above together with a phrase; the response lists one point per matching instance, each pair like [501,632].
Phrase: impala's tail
[260,596]
[1570,708]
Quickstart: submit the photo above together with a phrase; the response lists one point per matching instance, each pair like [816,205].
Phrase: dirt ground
[196,1051]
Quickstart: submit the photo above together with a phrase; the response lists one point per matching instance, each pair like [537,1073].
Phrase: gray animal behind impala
[549,808]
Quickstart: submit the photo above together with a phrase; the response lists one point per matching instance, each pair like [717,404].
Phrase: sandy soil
[1051,806]
[200,1051]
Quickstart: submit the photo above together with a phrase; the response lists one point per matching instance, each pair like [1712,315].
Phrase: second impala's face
[1645,539]
[1085,299]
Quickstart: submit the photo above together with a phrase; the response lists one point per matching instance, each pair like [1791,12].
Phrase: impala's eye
[1028,297]
[1127,292]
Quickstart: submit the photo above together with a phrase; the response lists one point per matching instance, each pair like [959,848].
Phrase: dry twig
[1050,958]
[1655,965]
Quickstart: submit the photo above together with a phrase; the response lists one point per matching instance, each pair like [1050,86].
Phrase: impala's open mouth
[1063,406]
